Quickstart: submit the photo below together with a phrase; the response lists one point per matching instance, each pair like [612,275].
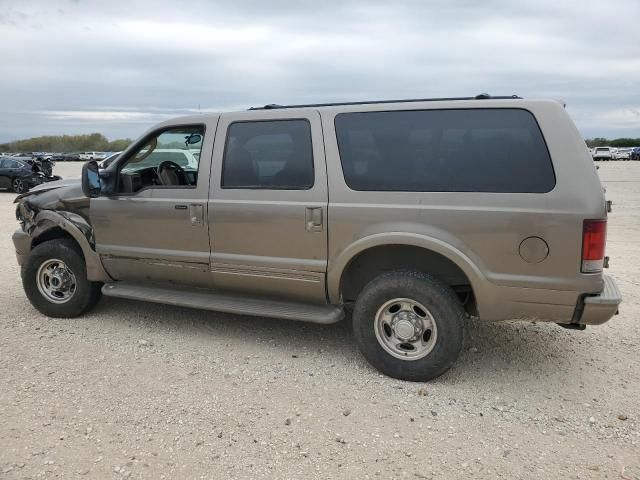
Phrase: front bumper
[22,244]
[598,309]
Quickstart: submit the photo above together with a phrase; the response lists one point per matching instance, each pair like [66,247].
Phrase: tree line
[67,143]
[616,142]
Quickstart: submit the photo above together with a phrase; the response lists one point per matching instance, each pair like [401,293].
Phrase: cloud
[623,118]
[120,67]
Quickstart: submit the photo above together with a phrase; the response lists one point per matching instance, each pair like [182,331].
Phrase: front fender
[80,230]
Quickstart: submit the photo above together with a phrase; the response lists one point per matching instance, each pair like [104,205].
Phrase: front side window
[466,150]
[169,159]
[273,154]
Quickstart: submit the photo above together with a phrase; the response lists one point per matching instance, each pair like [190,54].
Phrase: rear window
[473,150]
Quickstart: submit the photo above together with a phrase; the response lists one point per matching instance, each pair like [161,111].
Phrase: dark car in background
[635,153]
[19,174]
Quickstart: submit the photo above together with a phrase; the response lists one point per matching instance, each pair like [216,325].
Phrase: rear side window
[275,154]
[474,150]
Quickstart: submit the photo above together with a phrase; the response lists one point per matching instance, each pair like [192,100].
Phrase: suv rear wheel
[54,278]
[409,325]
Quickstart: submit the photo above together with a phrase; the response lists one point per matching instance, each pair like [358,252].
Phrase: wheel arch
[385,245]
[50,225]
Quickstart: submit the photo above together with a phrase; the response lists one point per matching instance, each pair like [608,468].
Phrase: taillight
[594,236]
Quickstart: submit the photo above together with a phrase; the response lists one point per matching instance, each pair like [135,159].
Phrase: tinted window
[271,154]
[475,150]
[11,164]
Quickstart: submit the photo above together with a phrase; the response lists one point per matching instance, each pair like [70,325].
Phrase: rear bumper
[598,309]
[570,306]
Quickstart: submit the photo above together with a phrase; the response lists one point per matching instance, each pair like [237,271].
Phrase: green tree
[66,143]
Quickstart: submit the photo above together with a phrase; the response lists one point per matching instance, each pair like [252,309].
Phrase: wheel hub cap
[55,281]
[406,326]
[405,329]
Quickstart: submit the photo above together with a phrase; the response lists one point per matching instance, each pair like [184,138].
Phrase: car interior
[169,159]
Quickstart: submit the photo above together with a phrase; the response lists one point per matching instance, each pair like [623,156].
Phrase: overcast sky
[118,67]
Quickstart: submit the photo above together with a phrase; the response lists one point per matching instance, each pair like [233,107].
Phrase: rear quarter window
[472,150]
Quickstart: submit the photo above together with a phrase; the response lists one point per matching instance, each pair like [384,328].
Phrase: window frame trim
[267,188]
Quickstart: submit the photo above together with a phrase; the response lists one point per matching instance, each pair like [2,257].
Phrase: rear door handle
[180,207]
[313,219]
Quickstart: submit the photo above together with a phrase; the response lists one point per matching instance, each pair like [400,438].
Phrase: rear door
[268,205]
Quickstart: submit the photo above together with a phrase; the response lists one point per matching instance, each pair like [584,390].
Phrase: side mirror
[91,184]
[193,139]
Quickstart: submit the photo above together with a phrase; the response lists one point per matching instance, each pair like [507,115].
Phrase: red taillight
[594,236]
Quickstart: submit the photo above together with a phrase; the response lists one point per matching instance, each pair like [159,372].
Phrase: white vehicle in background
[110,158]
[603,153]
[622,154]
[93,156]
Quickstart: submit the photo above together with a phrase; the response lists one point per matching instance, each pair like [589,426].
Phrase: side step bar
[225,302]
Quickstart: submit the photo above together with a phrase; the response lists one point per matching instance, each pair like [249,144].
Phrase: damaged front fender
[39,214]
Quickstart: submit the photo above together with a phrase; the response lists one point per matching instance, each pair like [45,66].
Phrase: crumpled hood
[57,184]
[60,195]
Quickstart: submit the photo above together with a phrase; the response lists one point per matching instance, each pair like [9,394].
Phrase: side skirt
[225,302]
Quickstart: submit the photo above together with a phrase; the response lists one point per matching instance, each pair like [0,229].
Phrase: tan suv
[409,214]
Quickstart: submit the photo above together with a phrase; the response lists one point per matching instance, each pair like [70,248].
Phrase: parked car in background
[622,154]
[603,153]
[92,156]
[411,215]
[634,154]
[19,174]
[65,157]
[107,161]
[71,157]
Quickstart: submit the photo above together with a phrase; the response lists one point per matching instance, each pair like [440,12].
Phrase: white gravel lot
[141,390]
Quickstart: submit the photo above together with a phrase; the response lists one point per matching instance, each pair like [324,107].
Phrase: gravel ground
[148,391]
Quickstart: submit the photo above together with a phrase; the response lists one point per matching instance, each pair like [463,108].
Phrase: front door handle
[313,219]
[196,213]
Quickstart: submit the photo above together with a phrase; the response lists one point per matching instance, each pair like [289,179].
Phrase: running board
[225,302]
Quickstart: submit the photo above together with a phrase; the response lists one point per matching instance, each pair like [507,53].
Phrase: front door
[153,228]
[268,205]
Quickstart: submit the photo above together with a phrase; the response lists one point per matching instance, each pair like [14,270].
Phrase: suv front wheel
[54,278]
[409,325]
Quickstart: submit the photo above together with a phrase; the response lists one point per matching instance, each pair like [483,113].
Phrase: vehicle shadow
[499,352]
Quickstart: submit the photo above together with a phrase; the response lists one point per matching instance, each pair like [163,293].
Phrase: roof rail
[481,96]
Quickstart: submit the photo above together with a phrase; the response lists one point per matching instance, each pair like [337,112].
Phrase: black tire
[18,185]
[86,293]
[441,302]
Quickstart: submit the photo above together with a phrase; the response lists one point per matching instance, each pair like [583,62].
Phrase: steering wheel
[180,176]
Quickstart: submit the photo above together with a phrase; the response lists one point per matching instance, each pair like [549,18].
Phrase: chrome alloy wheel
[56,282]
[405,329]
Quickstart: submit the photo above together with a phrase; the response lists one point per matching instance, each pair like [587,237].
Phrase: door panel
[159,233]
[147,239]
[270,240]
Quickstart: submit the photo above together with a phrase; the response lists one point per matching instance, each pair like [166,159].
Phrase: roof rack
[482,96]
